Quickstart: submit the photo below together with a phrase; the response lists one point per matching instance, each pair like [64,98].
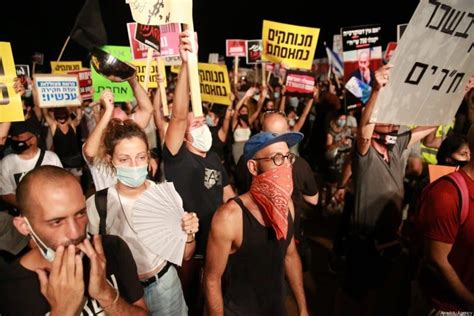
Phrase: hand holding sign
[382,76]
[185,45]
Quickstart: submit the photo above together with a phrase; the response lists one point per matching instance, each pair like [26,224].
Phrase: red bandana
[272,190]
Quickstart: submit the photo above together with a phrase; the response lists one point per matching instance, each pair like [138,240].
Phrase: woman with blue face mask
[126,152]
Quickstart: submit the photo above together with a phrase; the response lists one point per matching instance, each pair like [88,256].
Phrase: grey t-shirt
[379,190]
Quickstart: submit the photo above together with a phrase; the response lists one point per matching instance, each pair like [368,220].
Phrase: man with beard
[251,245]
[67,273]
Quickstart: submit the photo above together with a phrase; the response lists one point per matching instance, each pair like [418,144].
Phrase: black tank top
[65,145]
[254,279]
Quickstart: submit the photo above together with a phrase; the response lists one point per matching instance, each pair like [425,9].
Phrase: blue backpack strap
[461,184]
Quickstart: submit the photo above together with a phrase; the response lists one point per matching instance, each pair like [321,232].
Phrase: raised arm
[92,144]
[366,129]
[144,107]
[78,119]
[248,94]
[309,103]
[261,100]
[222,133]
[283,99]
[177,127]
[49,119]
[157,114]
[4,128]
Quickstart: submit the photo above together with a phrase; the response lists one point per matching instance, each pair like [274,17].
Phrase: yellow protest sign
[289,44]
[141,65]
[214,83]
[63,67]
[175,69]
[10,102]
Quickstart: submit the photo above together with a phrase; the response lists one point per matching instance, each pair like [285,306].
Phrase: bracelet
[341,186]
[115,299]
[194,239]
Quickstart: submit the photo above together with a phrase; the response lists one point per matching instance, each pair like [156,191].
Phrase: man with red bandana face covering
[251,246]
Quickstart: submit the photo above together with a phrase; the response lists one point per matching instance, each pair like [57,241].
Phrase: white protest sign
[432,64]
[57,90]
[159,12]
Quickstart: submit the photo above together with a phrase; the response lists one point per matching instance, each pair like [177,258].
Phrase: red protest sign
[170,39]
[391,46]
[253,50]
[235,48]
[85,82]
[299,83]
[139,50]
[148,35]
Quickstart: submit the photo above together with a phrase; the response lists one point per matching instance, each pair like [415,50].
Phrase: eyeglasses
[279,158]
[274,112]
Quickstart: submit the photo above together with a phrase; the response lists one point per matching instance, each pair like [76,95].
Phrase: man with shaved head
[447,270]
[67,273]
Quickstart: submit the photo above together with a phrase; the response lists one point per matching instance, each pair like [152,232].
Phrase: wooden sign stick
[236,69]
[194,74]
[161,86]
[149,59]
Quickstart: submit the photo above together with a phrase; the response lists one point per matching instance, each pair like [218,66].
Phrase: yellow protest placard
[175,69]
[214,83]
[289,44]
[10,102]
[63,67]
[141,65]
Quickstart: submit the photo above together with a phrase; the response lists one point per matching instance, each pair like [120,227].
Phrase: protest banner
[253,50]
[10,102]
[148,35]
[57,90]
[173,11]
[122,90]
[170,40]
[432,66]
[362,56]
[23,73]
[141,68]
[214,83]
[213,58]
[63,67]
[22,70]
[139,51]
[289,44]
[235,48]
[85,82]
[400,29]
[299,83]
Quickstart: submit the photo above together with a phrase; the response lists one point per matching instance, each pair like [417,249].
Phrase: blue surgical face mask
[132,176]
[209,121]
[276,95]
[341,123]
[294,101]
[47,252]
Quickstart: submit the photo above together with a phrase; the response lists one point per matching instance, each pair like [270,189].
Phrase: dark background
[43,26]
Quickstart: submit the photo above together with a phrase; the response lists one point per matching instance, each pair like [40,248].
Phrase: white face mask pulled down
[202,138]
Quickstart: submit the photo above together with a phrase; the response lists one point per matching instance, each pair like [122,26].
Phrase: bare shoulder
[229,212]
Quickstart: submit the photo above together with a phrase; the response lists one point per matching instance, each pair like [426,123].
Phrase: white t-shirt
[102,176]
[119,222]
[13,168]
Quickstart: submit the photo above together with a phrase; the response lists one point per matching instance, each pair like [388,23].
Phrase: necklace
[124,214]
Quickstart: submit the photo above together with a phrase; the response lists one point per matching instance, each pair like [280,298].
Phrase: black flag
[89,30]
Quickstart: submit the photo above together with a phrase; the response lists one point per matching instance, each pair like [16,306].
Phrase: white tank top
[242,134]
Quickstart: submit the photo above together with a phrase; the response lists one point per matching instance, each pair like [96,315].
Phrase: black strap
[101,206]
[40,158]
[239,201]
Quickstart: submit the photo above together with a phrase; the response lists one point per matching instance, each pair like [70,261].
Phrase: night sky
[43,26]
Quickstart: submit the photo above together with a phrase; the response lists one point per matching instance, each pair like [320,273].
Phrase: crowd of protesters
[251,176]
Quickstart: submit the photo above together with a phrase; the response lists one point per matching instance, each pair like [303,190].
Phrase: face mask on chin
[132,176]
[45,251]
[202,138]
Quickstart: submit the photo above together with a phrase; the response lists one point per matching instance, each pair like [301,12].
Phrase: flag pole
[64,47]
